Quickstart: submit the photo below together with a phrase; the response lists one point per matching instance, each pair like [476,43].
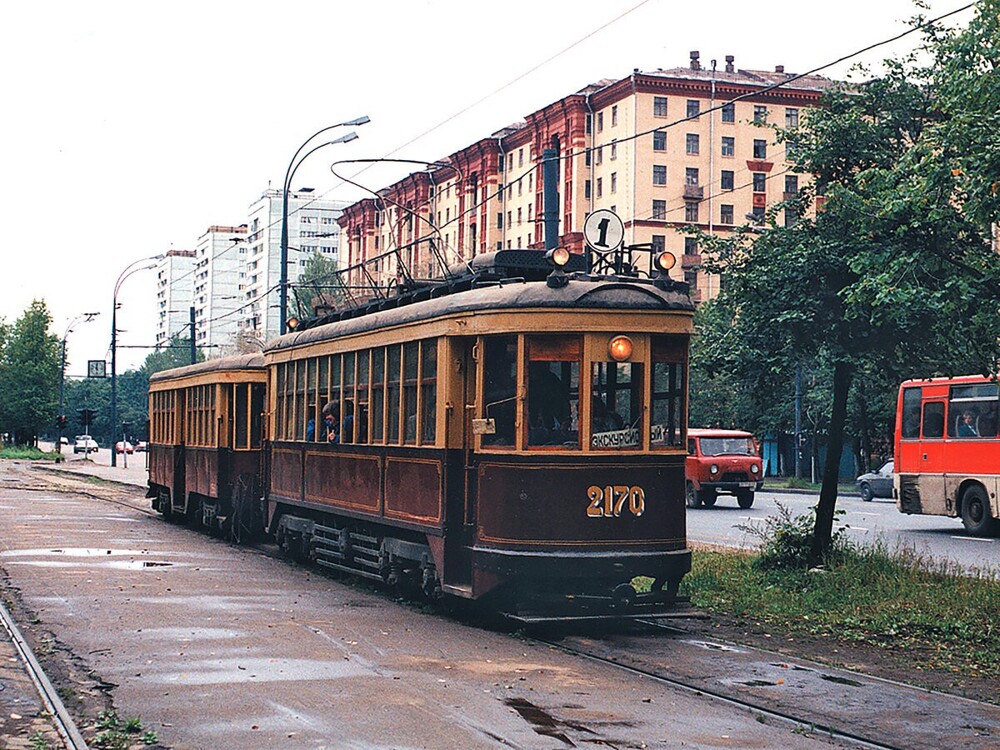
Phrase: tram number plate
[614,500]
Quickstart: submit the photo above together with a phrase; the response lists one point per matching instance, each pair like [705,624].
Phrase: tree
[891,274]
[29,375]
[319,286]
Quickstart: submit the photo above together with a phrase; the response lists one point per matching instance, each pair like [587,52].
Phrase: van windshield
[727,446]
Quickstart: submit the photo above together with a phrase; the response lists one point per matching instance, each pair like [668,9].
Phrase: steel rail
[800,723]
[64,723]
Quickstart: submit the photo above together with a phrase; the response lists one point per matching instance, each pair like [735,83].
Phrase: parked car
[140,447]
[877,483]
[124,446]
[722,461]
[64,440]
[85,444]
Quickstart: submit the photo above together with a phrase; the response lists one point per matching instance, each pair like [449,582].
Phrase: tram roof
[223,364]
[581,293]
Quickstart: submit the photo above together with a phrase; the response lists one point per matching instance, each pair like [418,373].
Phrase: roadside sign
[603,231]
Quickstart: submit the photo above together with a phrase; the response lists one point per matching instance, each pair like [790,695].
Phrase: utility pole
[194,349]
[798,422]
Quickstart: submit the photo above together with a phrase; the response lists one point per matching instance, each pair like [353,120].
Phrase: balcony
[694,192]
[690,260]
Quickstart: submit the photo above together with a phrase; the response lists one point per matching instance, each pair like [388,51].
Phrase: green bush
[785,541]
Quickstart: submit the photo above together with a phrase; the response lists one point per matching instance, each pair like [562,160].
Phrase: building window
[520,159]
[728,145]
[659,210]
[587,157]
[659,140]
[691,144]
[791,117]
[691,211]
[691,279]
[659,243]
[659,174]
[499,221]
[614,182]
[729,112]
[690,245]
[691,176]
[692,109]
[600,122]
[758,214]
[758,182]
[614,150]
[586,189]
[791,183]
[759,113]
[519,217]
[659,106]
[726,213]
[599,155]
[727,182]
[759,149]
[590,125]
[600,187]
[614,115]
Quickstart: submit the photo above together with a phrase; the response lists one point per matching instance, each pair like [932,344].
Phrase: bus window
[911,412]
[500,388]
[972,410]
[934,419]
[616,405]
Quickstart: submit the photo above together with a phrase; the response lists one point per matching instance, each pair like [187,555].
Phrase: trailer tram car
[510,439]
[206,440]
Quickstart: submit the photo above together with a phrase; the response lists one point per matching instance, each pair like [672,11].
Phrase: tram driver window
[554,391]
[500,388]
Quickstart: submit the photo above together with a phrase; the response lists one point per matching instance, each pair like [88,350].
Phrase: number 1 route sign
[603,231]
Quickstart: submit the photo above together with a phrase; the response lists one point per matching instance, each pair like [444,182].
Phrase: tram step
[461,590]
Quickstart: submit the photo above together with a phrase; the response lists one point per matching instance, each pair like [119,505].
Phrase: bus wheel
[692,496]
[744,499]
[976,511]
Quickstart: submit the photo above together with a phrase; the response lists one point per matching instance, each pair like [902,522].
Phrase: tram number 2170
[613,500]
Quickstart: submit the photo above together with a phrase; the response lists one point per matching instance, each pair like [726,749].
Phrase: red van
[722,461]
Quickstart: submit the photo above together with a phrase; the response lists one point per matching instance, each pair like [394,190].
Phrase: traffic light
[61,421]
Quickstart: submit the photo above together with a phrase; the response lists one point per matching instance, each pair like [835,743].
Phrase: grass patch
[27,452]
[940,617]
[120,734]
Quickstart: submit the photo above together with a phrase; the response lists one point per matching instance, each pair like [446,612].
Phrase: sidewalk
[136,474]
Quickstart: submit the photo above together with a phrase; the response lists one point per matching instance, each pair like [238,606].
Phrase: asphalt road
[937,537]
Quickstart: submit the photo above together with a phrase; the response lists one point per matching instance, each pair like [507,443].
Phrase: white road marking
[974,538]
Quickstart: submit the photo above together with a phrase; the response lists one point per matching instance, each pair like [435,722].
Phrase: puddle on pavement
[757,683]
[114,564]
[715,646]
[541,721]
[73,552]
[106,558]
[841,680]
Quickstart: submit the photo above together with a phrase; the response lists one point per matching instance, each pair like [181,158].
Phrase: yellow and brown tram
[517,442]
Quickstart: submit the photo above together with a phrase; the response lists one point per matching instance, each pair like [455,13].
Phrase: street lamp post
[60,418]
[131,268]
[286,186]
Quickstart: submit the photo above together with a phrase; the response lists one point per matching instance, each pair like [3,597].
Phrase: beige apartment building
[665,149]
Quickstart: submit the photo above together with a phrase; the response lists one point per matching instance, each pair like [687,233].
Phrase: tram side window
[668,392]
[616,405]
[934,419]
[500,388]
[240,413]
[310,412]
[554,391]
[410,363]
[256,414]
[392,392]
[378,395]
[428,391]
[911,412]
[972,411]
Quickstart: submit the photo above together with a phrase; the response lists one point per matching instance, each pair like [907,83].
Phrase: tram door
[461,504]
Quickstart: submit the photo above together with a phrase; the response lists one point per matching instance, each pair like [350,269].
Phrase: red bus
[948,450]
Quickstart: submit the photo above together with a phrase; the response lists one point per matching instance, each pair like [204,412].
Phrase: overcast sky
[130,127]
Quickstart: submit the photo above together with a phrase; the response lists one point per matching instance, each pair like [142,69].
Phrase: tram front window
[554,391]
[500,388]
[616,405]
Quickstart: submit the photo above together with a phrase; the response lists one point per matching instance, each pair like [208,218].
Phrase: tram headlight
[713,469]
[292,323]
[664,262]
[620,348]
[558,256]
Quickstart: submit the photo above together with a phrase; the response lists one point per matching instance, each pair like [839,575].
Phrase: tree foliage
[890,275]
[319,285]
[29,375]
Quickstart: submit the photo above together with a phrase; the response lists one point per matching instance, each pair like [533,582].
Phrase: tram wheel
[976,512]
[691,496]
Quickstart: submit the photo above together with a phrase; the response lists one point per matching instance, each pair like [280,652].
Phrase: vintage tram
[517,438]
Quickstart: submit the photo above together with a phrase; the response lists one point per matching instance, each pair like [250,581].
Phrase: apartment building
[174,286]
[665,150]
[220,259]
[312,228]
